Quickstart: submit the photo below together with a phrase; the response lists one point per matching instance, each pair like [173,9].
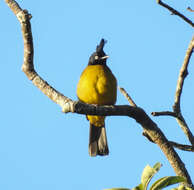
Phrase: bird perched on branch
[97,85]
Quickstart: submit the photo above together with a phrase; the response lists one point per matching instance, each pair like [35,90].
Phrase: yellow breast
[97,85]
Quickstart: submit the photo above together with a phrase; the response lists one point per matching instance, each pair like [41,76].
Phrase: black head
[98,57]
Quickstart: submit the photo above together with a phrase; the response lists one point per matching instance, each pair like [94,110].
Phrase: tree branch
[77,107]
[175,12]
[164,113]
[127,96]
[182,75]
[154,133]
[28,66]
[188,148]
[176,107]
[179,88]
[182,123]
[182,146]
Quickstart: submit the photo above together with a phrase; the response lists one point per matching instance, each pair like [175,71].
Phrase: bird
[97,85]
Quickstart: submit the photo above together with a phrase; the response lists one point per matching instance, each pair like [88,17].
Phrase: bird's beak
[104,57]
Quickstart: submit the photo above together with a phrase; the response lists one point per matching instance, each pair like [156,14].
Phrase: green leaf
[157,166]
[148,173]
[183,187]
[166,181]
[139,187]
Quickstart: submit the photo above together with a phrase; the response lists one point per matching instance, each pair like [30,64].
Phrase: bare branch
[175,12]
[28,66]
[181,121]
[188,148]
[179,88]
[130,100]
[176,107]
[152,132]
[182,146]
[68,105]
[182,75]
[164,113]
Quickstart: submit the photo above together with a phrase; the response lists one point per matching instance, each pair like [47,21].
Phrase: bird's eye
[96,57]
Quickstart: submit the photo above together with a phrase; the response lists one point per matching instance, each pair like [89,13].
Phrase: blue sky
[40,147]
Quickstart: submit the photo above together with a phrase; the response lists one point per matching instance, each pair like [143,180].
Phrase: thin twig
[188,148]
[182,75]
[179,88]
[175,12]
[182,123]
[130,100]
[164,113]
[127,96]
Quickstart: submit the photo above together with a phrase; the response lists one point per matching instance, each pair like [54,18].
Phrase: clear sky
[43,149]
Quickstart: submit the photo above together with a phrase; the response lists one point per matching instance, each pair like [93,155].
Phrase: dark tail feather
[98,142]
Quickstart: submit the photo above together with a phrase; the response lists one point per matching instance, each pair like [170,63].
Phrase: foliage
[161,183]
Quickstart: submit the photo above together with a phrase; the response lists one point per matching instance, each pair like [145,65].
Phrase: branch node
[147,136]
[21,16]
[27,14]
[69,106]
[184,73]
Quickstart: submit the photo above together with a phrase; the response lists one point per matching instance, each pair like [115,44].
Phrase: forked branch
[177,101]
[179,88]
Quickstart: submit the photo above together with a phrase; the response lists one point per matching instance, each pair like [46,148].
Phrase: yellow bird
[97,85]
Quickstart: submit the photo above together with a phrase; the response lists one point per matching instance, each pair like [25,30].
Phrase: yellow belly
[97,85]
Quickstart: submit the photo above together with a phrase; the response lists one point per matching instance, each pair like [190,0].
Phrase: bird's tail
[98,144]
